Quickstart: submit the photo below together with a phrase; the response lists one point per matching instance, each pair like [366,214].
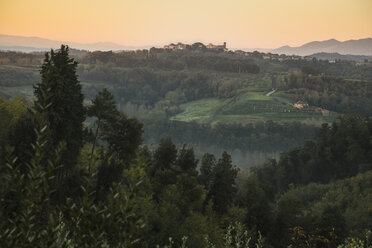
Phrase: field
[250,102]
[247,107]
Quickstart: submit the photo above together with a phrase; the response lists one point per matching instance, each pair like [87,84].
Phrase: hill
[31,44]
[353,47]
[213,100]
[337,56]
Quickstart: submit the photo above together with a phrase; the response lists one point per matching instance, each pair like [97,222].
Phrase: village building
[197,45]
[178,46]
[301,105]
[217,47]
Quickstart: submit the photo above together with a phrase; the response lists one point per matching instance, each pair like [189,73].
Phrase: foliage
[66,113]
[331,92]
[341,150]
[137,196]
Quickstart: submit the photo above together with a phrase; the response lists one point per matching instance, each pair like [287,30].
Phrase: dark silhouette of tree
[186,160]
[104,109]
[66,112]
[223,187]
[208,162]
[123,136]
[165,155]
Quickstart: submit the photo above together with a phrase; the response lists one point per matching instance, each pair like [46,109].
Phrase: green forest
[156,148]
[218,98]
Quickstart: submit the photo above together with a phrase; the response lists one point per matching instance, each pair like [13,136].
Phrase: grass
[255,96]
[201,110]
[247,107]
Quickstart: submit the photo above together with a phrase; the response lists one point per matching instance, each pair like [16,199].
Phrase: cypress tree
[66,112]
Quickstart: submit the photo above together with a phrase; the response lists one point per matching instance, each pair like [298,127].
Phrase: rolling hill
[32,44]
[352,47]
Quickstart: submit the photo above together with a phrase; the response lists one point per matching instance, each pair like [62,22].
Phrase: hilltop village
[261,55]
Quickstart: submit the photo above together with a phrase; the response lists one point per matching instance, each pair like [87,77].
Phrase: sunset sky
[241,23]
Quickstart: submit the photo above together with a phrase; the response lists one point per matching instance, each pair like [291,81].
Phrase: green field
[247,107]
[201,110]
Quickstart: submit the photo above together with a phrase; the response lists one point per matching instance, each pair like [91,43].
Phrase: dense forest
[330,92]
[67,183]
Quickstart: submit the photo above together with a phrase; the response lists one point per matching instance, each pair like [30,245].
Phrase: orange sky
[241,23]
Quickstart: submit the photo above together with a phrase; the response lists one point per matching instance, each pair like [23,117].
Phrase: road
[271,92]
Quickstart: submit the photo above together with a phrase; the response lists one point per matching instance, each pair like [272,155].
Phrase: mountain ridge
[34,43]
[348,47]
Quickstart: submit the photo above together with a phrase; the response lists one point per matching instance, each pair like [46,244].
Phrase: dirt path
[271,92]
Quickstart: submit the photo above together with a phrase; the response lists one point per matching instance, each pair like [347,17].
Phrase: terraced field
[247,107]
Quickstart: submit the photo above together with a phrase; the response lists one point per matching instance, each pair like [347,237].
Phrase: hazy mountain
[334,56]
[352,47]
[31,44]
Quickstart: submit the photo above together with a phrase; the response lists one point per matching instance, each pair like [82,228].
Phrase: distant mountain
[32,44]
[334,56]
[352,47]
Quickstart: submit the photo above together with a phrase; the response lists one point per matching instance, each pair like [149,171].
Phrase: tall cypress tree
[66,112]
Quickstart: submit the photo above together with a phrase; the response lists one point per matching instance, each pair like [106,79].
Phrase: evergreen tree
[66,112]
[206,169]
[165,155]
[104,108]
[186,160]
[123,136]
[223,187]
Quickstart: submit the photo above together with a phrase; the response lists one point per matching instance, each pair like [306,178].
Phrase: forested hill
[208,91]
[67,182]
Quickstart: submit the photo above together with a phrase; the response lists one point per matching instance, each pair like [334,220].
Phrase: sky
[240,23]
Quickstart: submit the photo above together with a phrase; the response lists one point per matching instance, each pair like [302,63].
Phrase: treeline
[330,92]
[10,76]
[20,59]
[344,69]
[341,150]
[148,86]
[174,60]
[266,136]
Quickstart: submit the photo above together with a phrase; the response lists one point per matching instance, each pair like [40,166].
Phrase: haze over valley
[200,124]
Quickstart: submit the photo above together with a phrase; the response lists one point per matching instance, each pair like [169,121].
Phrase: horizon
[174,42]
[260,24]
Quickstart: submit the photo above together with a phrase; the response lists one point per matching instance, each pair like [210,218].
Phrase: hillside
[337,56]
[32,44]
[86,165]
[213,100]
[353,47]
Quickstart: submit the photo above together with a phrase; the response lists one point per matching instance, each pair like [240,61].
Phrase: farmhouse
[301,105]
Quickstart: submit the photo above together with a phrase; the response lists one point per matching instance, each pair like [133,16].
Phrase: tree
[257,203]
[104,108]
[208,162]
[331,225]
[66,112]
[123,136]
[165,155]
[223,188]
[186,160]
